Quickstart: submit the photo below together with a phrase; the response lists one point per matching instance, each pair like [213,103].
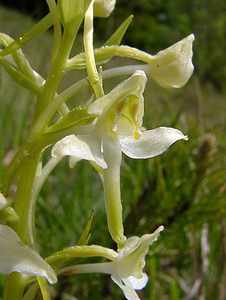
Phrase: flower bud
[173,66]
[103,8]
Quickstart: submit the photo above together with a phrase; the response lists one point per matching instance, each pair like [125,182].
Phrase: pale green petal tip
[103,8]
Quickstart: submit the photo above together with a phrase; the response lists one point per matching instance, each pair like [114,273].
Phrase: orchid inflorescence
[106,126]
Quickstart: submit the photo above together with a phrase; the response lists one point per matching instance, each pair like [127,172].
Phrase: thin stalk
[57,27]
[107,52]
[105,268]
[38,184]
[23,198]
[89,53]
[56,73]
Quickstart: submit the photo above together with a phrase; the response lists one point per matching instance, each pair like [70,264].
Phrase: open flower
[120,117]
[17,257]
[126,269]
[173,66]
[118,129]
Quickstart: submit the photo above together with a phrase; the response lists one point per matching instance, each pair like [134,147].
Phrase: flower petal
[3,201]
[103,8]
[132,243]
[128,290]
[81,147]
[138,283]
[151,143]
[16,257]
[134,85]
[173,66]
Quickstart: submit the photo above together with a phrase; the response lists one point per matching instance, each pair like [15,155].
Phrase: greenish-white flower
[126,269]
[103,8]
[119,121]
[17,257]
[118,128]
[173,66]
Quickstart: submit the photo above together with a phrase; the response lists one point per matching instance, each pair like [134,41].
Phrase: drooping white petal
[137,283]
[103,8]
[3,201]
[16,257]
[128,291]
[173,66]
[81,147]
[134,85]
[151,143]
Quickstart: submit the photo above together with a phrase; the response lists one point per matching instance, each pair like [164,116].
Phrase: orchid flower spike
[103,8]
[173,66]
[17,257]
[126,269]
[118,129]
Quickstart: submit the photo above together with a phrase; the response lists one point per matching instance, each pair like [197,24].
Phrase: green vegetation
[184,189]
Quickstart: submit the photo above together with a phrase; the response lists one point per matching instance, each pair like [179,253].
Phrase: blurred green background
[184,189]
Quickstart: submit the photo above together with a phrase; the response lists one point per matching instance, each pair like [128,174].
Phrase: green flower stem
[44,100]
[89,53]
[107,52]
[56,73]
[38,184]
[23,199]
[62,258]
[57,27]
[105,268]
[111,181]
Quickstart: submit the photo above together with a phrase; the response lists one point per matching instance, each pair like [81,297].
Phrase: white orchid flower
[118,129]
[173,66]
[103,8]
[126,269]
[17,257]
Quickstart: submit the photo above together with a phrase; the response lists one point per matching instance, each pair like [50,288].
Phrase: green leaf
[44,288]
[117,36]
[78,116]
[85,236]
[29,35]
[19,77]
